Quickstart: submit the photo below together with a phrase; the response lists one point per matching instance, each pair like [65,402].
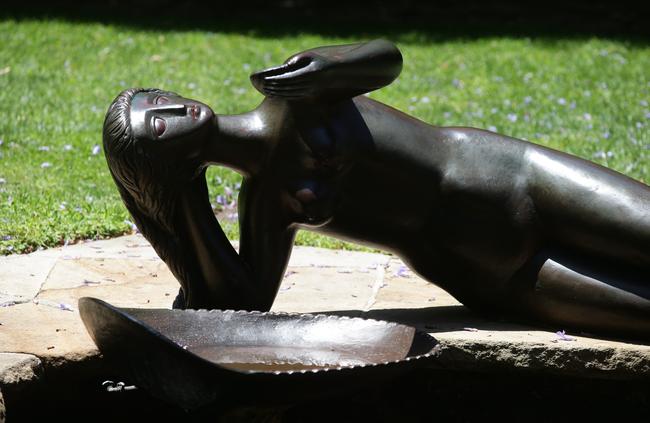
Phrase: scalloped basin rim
[254,342]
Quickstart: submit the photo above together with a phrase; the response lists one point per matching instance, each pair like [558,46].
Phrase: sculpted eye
[159,126]
[161,100]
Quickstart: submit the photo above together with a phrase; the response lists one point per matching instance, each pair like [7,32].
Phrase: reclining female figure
[506,226]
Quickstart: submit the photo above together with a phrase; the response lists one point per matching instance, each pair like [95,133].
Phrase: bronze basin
[196,358]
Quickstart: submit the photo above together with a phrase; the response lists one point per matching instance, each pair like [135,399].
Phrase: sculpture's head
[169,121]
[153,141]
[152,122]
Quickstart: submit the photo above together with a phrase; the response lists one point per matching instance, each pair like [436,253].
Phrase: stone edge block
[608,363]
[16,368]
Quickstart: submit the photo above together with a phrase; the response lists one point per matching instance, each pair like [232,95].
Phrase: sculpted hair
[147,185]
[137,176]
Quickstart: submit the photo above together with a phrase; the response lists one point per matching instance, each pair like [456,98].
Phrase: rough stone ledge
[17,368]
[601,363]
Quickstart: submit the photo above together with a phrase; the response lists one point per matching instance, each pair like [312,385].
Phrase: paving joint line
[377,286]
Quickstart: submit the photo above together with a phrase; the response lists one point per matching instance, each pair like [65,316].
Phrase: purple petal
[132,225]
[561,334]
[66,307]
[403,272]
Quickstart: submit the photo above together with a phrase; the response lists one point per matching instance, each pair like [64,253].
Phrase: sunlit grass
[586,97]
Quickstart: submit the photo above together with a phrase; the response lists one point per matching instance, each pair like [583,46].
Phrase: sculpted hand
[332,73]
[305,75]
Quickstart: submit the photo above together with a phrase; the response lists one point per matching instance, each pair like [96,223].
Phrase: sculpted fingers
[275,88]
[287,93]
[298,77]
[287,80]
[294,75]
[298,83]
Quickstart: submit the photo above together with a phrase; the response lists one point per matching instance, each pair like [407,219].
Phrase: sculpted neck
[238,142]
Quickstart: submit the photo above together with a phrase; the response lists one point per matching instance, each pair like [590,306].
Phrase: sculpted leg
[591,209]
[584,294]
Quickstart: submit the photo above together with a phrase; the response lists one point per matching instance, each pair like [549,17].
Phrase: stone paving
[40,327]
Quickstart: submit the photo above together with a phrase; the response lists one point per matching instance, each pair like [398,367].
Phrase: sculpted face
[164,117]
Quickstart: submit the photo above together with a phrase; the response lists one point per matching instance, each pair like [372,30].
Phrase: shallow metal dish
[195,358]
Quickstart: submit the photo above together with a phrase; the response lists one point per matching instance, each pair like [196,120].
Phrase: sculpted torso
[504,225]
[462,207]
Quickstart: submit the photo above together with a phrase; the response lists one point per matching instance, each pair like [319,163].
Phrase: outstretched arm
[332,73]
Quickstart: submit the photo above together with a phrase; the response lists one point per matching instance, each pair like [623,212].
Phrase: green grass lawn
[586,97]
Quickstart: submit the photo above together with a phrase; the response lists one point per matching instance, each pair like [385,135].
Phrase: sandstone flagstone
[21,276]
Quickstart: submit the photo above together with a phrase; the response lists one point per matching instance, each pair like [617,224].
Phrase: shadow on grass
[406,21]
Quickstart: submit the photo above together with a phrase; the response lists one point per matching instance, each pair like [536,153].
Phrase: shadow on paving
[425,396]
[407,21]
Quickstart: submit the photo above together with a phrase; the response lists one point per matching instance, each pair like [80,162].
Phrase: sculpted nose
[171,108]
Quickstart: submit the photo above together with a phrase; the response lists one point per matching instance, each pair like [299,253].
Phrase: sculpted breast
[326,146]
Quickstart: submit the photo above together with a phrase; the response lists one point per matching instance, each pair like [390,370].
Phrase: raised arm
[332,73]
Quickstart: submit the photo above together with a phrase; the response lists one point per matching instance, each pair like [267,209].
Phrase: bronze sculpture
[506,226]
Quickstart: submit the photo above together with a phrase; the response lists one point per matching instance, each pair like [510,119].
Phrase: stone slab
[21,276]
[126,272]
[340,259]
[92,272]
[315,289]
[126,247]
[54,335]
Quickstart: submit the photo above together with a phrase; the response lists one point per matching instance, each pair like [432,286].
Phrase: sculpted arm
[212,274]
[332,73]
[265,240]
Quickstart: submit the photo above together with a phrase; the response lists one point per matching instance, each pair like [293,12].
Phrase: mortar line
[49,273]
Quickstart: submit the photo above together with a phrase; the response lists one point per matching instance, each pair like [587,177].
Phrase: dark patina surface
[506,226]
